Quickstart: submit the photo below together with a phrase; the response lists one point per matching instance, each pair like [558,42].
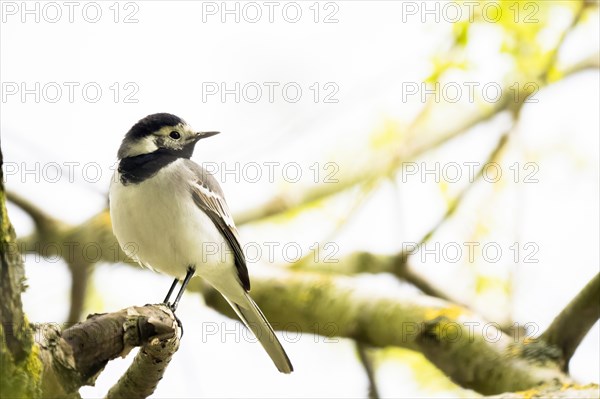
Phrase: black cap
[151,124]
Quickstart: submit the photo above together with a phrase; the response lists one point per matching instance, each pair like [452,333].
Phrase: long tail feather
[255,320]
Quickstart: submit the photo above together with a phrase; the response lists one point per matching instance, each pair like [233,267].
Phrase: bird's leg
[166,301]
[190,273]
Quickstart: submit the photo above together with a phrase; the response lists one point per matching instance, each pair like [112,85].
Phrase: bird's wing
[208,196]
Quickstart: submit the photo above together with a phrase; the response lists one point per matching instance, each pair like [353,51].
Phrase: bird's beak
[203,135]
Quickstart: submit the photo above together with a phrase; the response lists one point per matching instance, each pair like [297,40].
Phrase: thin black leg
[171,291]
[190,273]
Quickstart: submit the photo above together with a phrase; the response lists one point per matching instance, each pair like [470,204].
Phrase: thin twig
[367,364]
[366,190]
[41,219]
[282,202]
[401,268]
[80,276]
[456,201]
[554,54]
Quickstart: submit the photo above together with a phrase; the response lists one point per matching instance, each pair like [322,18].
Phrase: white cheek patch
[144,146]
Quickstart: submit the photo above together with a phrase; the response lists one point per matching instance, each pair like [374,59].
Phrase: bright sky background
[171,53]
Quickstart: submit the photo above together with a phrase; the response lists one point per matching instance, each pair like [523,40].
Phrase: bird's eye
[174,135]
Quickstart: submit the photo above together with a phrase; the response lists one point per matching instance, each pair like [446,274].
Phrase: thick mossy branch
[469,349]
[554,391]
[19,366]
[75,357]
[572,324]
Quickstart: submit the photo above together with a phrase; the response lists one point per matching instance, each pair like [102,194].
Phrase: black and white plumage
[170,215]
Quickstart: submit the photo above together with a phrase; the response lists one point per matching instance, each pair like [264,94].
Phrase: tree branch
[42,220]
[470,350]
[76,356]
[148,367]
[80,246]
[573,323]
[554,391]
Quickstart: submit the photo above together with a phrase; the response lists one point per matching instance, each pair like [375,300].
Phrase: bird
[170,215]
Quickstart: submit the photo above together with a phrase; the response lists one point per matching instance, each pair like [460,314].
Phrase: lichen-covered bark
[572,324]
[470,350]
[20,368]
[76,356]
[553,391]
[147,369]
[60,362]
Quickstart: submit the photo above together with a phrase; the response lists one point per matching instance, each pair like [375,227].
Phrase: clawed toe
[173,307]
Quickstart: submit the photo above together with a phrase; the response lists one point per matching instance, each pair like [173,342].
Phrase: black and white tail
[253,318]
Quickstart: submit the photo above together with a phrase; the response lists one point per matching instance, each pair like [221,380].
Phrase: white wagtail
[170,215]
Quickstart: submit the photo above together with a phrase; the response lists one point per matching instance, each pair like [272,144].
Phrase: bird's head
[164,132]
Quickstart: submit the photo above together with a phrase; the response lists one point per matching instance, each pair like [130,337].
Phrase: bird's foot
[173,307]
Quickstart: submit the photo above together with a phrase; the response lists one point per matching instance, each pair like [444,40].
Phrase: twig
[80,276]
[41,219]
[365,192]
[456,201]
[573,323]
[71,238]
[554,54]
[401,268]
[367,364]
[282,203]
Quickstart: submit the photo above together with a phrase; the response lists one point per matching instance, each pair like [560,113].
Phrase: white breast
[157,223]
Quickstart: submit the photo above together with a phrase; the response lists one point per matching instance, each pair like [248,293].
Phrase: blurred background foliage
[367,206]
